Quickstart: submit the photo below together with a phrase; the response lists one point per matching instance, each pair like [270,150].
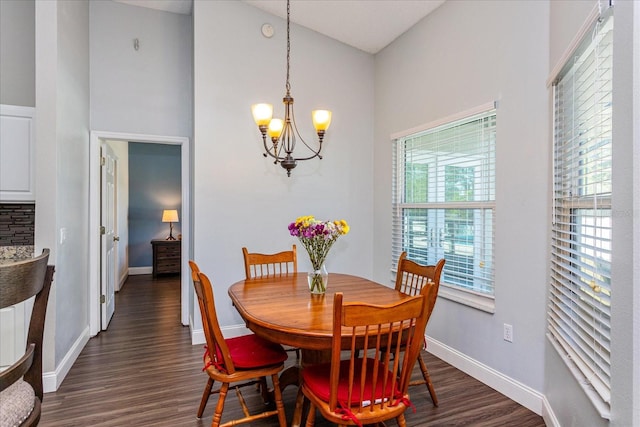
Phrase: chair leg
[299,409]
[427,379]
[311,416]
[217,416]
[282,418]
[205,397]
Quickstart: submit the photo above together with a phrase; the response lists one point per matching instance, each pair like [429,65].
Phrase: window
[579,312]
[444,198]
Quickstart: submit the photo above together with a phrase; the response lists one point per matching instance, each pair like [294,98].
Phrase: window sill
[469,298]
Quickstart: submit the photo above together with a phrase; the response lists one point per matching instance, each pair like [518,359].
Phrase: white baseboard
[523,394]
[197,335]
[135,271]
[52,380]
[548,415]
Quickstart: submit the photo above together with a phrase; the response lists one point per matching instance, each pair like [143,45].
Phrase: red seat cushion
[316,379]
[251,351]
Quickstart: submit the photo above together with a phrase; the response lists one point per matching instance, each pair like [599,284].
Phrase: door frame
[94,217]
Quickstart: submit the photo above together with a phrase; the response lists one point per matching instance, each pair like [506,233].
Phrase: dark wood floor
[144,371]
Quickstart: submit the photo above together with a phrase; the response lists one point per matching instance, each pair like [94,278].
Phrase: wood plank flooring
[144,371]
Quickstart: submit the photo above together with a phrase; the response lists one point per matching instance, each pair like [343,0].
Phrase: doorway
[96,139]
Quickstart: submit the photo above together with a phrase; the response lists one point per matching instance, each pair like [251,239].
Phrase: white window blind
[444,199]
[580,293]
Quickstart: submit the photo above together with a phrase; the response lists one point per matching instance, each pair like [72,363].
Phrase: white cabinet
[13,332]
[17,149]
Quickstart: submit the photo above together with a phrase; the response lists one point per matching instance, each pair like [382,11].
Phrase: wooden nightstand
[166,256]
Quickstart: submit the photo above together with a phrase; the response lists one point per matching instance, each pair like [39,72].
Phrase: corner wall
[465,54]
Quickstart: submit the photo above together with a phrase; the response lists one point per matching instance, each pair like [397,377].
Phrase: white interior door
[109,235]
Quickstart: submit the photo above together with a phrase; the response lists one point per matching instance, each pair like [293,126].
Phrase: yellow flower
[304,221]
[342,225]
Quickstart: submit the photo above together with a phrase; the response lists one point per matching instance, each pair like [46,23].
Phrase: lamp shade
[275,128]
[321,119]
[262,113]
[170,215]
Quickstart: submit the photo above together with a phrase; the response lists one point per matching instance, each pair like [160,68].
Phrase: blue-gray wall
[154,185]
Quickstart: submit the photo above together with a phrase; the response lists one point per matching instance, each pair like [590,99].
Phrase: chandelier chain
[288,86]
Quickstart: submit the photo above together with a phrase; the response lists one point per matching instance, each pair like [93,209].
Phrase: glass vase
[318,280]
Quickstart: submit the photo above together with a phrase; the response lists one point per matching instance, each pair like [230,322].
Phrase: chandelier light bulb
[321,119]
[262,113]
[275,128]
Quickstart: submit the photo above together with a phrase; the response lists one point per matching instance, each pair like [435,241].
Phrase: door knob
[116,238]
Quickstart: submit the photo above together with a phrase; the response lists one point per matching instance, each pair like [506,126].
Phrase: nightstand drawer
[168,251]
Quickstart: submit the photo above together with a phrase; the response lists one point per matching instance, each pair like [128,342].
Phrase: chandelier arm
[271,151]
[315,153]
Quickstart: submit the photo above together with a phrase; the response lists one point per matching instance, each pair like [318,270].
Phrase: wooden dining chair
[355,390]
[411,279]
[260,265]
[21,389]
[239,361]
[263,265]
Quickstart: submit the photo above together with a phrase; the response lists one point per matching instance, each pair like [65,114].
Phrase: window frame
[471,297]
[579,290]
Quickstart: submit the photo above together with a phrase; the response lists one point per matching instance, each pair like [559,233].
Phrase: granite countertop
[9,254]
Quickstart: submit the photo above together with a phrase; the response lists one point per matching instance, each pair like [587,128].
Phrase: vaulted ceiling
[368,25]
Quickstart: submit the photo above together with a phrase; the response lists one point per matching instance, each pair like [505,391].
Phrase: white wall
[17,53]
[465,54]
[148,91]
[62,142]
[241,198]
[73,170]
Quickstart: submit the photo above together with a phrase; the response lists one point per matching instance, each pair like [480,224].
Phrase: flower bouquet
[317,237]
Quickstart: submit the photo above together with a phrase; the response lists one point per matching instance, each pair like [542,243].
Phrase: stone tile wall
[17,224]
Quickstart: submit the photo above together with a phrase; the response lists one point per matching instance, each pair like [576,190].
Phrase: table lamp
[170,216]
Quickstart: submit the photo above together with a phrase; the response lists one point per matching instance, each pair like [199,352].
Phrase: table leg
[290,376]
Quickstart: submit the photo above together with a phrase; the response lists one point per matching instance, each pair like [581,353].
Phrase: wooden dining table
[281,309]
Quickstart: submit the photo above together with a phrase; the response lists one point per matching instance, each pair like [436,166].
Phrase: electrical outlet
[508,332]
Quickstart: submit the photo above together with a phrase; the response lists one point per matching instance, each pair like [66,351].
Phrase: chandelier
[283,132]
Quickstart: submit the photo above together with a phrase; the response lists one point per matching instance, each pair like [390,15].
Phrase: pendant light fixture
[283,133]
